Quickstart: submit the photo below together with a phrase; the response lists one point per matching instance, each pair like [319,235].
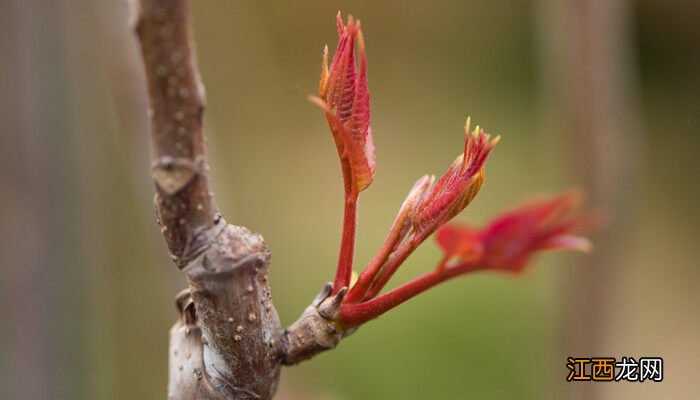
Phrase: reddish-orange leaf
[459,185]
[508,242]
[344,97]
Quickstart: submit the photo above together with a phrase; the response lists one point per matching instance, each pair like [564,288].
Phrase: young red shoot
[432,209]
[505,244]
[344,97]
[508,242]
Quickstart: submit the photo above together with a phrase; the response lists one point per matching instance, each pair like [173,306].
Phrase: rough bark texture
[315,332]
[230,347]
[228,343]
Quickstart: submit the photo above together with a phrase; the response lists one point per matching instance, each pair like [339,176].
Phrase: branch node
[316,330]
[172,174]
[330,307]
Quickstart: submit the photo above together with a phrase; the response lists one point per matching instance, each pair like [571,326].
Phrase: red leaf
[459,185]
[345,99]
[508,242]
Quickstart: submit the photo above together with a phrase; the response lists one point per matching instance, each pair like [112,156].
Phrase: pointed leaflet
[505,244]
[508,242]
[458,186]
[345,99]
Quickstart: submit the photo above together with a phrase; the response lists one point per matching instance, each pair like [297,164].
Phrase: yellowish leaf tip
[360,41]
[319,102]
[323,84]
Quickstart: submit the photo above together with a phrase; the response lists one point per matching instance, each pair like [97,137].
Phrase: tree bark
[228,343]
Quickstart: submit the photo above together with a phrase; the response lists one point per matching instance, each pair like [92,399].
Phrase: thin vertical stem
[367,276]
[347,243]
[393,264]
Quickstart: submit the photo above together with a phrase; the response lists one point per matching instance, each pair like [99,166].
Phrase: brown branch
[230,347]
[228,343]
[185,206]
[315,331]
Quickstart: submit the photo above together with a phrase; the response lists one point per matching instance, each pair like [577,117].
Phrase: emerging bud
[508,242]
[344,97]
[399,230]
[407,212]
[458,186]
[505,244]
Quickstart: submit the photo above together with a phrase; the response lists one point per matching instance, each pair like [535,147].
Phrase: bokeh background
[599,94]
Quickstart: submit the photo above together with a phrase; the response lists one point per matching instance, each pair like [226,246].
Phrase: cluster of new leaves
[344,97]
[507,243]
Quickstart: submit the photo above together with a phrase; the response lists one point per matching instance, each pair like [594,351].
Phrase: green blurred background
[600,94]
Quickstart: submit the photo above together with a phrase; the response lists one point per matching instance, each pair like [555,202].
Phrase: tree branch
[185,206]
[227,344]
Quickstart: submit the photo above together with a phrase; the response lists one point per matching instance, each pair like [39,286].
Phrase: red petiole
[357,314]
[347,244]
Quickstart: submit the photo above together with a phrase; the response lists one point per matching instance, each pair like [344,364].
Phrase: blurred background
[599,94]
